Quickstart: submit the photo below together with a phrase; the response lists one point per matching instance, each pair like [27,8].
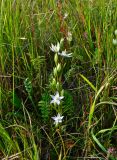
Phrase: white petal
[58,102]
[58,47]
[60,120]
[70,54]
[53,118]
[52,96]
[52,101]
[52,45]
[61,97]
[51,49]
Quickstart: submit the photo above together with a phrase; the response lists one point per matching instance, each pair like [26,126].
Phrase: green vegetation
[58,102]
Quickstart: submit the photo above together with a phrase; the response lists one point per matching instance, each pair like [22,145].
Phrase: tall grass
[89,127]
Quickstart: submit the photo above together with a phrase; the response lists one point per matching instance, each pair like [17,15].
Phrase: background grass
[89,129]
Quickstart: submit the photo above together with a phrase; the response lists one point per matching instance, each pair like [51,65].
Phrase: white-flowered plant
[56,82]
[65,54]
[56,98]
[57,119]
[55,48]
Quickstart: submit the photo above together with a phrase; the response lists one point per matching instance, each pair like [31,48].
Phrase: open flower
[56,98]
[55,48]
[64,54]
[57,119]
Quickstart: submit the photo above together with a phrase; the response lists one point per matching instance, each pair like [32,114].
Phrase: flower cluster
[56,82]
[56,99]
[56,49]
[115,40]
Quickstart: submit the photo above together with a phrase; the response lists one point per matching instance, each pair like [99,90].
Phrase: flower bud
[115,41]
[57,86]
[61,41]
[55,71]
[53,82]
[56,58]
[62,92]
[59,67]
[116,32]
[69,36]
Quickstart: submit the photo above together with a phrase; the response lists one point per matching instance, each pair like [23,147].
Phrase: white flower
[115,41]
[116,32]
[57,119]
[55,48]
[56,98]
[63,53]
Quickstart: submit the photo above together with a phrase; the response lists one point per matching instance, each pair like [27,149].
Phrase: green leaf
[98,142]
[89,83]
